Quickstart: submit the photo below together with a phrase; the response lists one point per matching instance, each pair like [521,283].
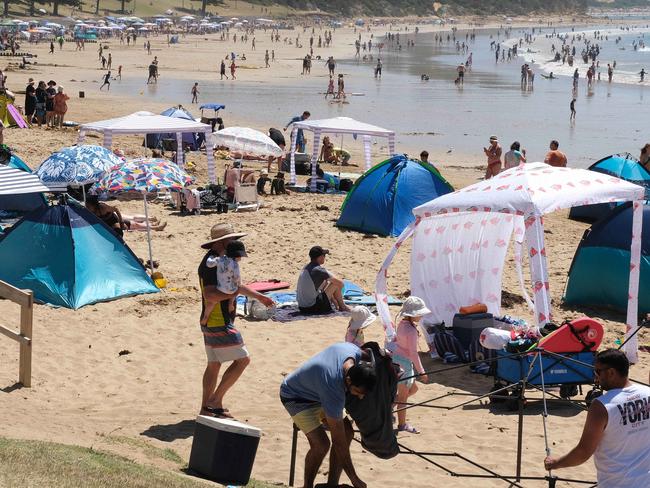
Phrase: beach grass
[28,463]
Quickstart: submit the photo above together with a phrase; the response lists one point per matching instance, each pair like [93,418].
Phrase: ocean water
[438,115]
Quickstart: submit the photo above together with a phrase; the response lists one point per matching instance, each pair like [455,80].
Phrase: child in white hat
[405,353]
[360,319]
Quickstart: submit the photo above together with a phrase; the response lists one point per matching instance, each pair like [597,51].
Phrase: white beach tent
[337,125]
[148,123]
[17,182]
[460,240]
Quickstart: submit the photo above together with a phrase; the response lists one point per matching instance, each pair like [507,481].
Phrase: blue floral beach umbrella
[76,166]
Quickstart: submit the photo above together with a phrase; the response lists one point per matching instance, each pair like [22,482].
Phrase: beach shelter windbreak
[623,166]
[383,198]
[69,258]
[25,202]
[600,269]
[513,203]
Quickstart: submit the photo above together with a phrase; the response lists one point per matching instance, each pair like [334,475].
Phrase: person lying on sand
[118,223]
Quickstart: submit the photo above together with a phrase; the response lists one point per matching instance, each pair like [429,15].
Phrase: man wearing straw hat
[223,342]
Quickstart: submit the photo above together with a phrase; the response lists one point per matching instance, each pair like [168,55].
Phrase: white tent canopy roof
[534,189]
[146,123]
[343,125]
[15,181]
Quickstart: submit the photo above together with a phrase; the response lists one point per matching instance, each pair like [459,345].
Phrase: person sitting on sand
[223,342]
[317,390]
[616,428]
[318,291]
[405,353]
[327,152]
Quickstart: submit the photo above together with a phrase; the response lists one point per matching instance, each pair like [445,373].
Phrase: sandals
[221,413]
[407,428]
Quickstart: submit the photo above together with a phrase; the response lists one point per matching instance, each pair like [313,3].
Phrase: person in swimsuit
[112,217]
[493,153]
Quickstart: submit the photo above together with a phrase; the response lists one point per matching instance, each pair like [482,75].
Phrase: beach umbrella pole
[83,190]
[146,215]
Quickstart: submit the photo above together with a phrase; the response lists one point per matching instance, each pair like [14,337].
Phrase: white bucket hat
[361,318]
[414,307]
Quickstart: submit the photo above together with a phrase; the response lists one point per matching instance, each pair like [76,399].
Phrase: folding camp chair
[246,197]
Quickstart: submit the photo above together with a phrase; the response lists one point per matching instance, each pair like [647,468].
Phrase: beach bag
[495,339]
[345,184]
[257,311]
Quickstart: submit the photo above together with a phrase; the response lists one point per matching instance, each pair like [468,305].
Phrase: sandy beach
[87,391]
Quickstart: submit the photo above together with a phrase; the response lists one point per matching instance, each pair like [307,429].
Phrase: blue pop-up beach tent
[25,202]
[622,166]
[192,141]
[70,258]
[600,270]
[383,198]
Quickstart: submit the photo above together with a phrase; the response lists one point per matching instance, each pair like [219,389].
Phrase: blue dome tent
[600,269]
[383,198]
[622,166]
[21,203]
[70,258]
[192,141]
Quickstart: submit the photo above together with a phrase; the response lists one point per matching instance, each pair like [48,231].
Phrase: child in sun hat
[227,270]
[361,317]
[405,353]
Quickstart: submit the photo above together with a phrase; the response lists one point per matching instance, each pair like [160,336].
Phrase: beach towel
[353,294]
[373,414]
[292,313]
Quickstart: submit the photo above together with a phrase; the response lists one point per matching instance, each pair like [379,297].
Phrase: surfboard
[15,114]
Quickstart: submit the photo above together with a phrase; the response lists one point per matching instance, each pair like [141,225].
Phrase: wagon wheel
[568,391]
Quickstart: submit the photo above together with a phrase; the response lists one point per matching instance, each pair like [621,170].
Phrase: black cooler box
[468,328]
[223,450]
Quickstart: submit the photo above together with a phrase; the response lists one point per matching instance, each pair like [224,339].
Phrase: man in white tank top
[617,429]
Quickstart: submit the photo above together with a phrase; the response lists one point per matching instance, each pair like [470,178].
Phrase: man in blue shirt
[315,392]
[300,136]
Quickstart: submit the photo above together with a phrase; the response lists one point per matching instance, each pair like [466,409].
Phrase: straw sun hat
[220,232]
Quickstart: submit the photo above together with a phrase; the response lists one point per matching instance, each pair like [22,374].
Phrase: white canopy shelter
[148,123]
[460,240]
[17,182]
[337,125]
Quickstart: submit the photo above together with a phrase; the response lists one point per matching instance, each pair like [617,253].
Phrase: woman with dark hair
[515,156]
[644,158]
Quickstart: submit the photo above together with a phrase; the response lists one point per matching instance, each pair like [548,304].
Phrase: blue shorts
[407,366]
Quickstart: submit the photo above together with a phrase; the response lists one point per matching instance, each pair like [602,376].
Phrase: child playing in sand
[228,276]
[361,318]
[405,353]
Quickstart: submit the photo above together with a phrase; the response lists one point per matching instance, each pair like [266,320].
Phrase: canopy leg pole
[292,165]
[631,347]
[146,216]
[314,162]
[538,269]
[366,151]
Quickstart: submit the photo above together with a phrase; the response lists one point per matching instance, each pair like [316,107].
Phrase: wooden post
[24,298]
[25,364]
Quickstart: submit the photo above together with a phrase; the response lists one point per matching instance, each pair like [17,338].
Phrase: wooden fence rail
[25,299]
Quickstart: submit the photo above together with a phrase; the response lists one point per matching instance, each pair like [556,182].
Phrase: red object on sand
[587,334]
[270,285]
